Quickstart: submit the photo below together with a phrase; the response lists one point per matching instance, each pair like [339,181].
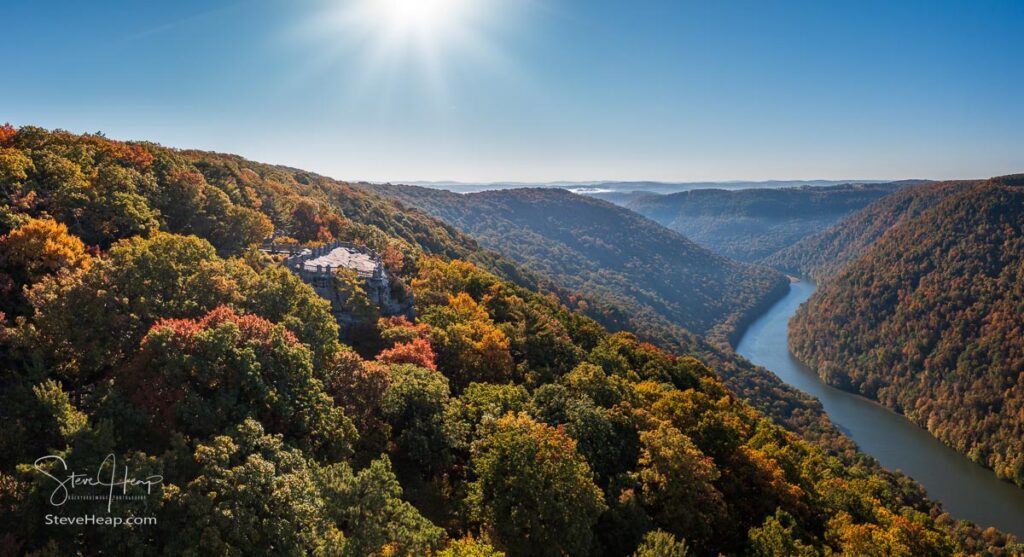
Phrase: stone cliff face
[317,267]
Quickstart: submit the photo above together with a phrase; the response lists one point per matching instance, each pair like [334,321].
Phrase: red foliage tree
[417,351]
[7,132]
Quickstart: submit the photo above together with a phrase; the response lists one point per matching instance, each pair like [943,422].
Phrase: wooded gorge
[616,257]
[139,321]
[927,319]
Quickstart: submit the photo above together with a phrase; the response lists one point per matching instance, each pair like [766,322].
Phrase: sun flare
[386,44]
[417,17]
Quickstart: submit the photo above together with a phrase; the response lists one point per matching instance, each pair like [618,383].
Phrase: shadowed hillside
[608,253]
[928,319]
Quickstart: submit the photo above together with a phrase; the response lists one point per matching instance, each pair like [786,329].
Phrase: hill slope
[751,224]
[196,360]
[609,253]
[821,255]
[928,322]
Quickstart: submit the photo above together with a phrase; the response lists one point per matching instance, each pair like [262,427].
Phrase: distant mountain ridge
[751,224]
[822,255]
[654,187]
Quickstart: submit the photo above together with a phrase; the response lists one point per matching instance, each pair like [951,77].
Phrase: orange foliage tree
[417,351]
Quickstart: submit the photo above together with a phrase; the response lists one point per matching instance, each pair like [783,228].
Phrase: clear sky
[536,90]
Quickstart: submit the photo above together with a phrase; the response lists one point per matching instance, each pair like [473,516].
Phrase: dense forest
[928,320]
[614,305]
[820,256]
[613,255]
[141,323]
[751,224]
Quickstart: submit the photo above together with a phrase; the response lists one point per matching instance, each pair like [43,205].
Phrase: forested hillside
[928,322]
[140,323]
[822,255]
[754,223]
[614,256]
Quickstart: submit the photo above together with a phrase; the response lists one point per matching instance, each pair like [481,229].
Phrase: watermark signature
[114,482]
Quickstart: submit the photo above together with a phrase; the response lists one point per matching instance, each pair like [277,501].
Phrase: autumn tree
[469,345]
[86,323]
[417,352]
[307,224]
[38,248]
[199,376]
[677,481]
[533,491]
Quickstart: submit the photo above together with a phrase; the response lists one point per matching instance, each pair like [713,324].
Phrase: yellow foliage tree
[41,247]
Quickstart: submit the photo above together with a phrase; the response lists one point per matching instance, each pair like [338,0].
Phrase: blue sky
[538,90]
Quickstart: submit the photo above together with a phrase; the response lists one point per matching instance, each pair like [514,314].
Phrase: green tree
[663,544]
[250,495]
[776,537]
[415,406]
[533,490]
[469,547]
[368,507]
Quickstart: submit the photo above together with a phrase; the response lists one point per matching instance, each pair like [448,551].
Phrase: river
[966,490]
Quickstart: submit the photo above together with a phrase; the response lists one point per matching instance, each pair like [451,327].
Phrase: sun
[418,17]
[415,20]
[386,44]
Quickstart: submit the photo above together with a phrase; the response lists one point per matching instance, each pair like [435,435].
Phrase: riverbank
[966,490]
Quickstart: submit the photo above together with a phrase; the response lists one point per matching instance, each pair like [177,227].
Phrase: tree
[662,544]
[86,323]
[15,167]
[307,224]
[360,387]
[415,406]
[282,297]
[199,376]
[368,507]
[7,133]
[250,494]
[438,280]
[38,248]
[776,537]
[398,329]
[469,346]
[479,403]
[394,259]
[677,484]
[533,491]
[417,352]
[469,547]
[353,299]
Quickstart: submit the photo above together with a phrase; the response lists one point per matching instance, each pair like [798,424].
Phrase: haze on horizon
[529,91]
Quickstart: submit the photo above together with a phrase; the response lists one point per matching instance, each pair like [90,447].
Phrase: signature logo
[108,476]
